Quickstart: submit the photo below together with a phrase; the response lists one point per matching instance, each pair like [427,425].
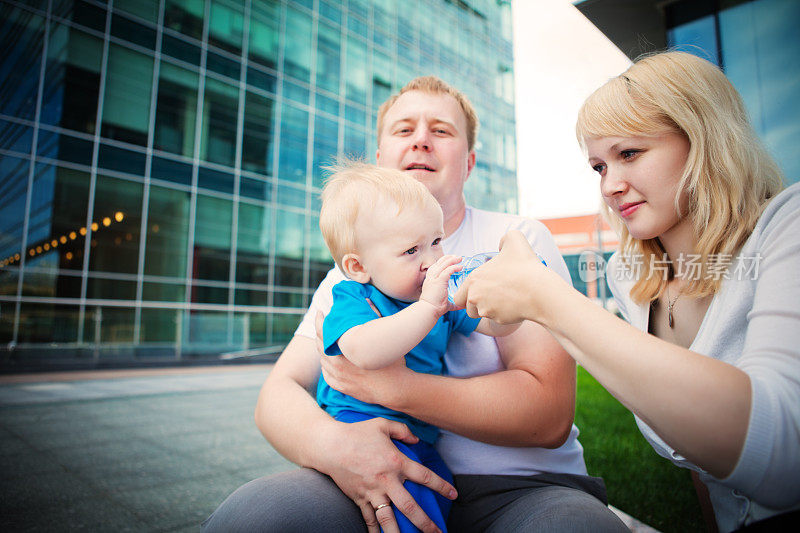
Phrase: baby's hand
[434,289]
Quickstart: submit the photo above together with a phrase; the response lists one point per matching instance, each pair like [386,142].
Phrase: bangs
[617,109]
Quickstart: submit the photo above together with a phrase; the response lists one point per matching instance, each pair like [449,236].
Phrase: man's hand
[434,289]
[370,470]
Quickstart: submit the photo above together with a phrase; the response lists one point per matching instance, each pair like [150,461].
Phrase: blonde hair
[434,85]
[729,177]
[355,187]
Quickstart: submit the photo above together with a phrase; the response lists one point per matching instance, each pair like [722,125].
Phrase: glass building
[160,160]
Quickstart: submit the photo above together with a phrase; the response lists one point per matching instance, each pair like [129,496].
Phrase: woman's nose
[613,183]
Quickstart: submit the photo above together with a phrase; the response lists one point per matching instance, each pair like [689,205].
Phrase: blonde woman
[707,275]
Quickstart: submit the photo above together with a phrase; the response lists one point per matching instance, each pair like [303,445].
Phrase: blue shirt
[350,309]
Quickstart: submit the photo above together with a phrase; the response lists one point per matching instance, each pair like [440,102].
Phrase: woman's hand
[511,287]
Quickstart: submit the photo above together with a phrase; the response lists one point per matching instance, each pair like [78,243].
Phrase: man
[505,410]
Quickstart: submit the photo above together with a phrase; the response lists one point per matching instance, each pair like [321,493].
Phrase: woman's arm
[698,405]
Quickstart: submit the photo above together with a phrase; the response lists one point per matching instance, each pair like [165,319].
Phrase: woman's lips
[626,210]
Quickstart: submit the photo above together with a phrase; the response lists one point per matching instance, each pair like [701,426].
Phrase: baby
[384,230]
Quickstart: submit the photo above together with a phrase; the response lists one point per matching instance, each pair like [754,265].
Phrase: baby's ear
[353,269]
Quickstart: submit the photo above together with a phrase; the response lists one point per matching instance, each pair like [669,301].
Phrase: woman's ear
[353,269]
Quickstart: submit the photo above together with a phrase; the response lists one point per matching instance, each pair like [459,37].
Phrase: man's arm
[531,403]
[360,457]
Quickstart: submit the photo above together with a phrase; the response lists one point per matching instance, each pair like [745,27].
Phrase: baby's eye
[411,251]
[437,241]
[628,154]
[599,168]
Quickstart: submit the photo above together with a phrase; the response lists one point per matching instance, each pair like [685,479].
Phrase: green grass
[640,482]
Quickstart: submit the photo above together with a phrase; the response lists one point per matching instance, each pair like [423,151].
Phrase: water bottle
[468,265]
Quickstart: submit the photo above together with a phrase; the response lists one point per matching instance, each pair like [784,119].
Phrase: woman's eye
[411,251]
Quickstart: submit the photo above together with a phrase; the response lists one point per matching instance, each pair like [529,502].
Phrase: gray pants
[304,500]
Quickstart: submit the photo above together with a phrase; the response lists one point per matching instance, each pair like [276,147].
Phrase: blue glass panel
[167,232]
[295,92]
[697,37]
[121,160]
[169,170]
[327,104]
[262,80]
[118,217]
[761,50]
[223,65]
[13,190]
[253,244]
[128,30]
[215,180]
[294,134]
[180,49]
[21,42]
[15,137]
[326,137]
[256,189]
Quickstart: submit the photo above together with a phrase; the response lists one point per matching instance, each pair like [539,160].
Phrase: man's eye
[411,251]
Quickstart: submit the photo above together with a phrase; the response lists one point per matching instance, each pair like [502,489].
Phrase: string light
[63,239]
[118,216]
[94,226]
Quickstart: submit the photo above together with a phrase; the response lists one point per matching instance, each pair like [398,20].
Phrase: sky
[559,59]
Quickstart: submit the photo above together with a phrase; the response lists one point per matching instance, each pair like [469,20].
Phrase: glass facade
[758,46]
[159,159]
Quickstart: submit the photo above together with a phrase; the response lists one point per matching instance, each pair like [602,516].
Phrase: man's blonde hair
[356,187]
[434,85]
[729,176]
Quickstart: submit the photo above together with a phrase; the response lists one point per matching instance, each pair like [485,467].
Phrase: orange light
[54,243]
[94,226]
[31,252]
[106,221]
[118,216]
[83,231]
[72,235]
[69,256]
[16,256]
[128,236]
[38,249]
[63,239]
[156,228]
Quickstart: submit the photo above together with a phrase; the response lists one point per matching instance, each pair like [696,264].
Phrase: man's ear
[470,163]
[353,269]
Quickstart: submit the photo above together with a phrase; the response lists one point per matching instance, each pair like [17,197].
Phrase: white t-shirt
[476,355]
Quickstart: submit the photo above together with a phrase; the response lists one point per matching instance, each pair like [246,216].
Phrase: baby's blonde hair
[729,176]
[355,187]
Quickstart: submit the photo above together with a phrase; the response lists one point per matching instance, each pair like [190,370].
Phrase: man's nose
[422,140]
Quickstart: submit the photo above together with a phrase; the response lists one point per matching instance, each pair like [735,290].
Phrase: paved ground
[146,453]
[137,450]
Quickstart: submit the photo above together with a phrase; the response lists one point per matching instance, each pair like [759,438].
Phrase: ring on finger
[381,506]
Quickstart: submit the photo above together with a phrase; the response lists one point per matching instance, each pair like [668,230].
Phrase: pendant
[670,320]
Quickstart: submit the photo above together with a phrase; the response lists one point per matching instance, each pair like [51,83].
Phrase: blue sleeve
[350,309]
[461,322]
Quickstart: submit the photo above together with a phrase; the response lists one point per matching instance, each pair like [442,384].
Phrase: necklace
[670,305]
